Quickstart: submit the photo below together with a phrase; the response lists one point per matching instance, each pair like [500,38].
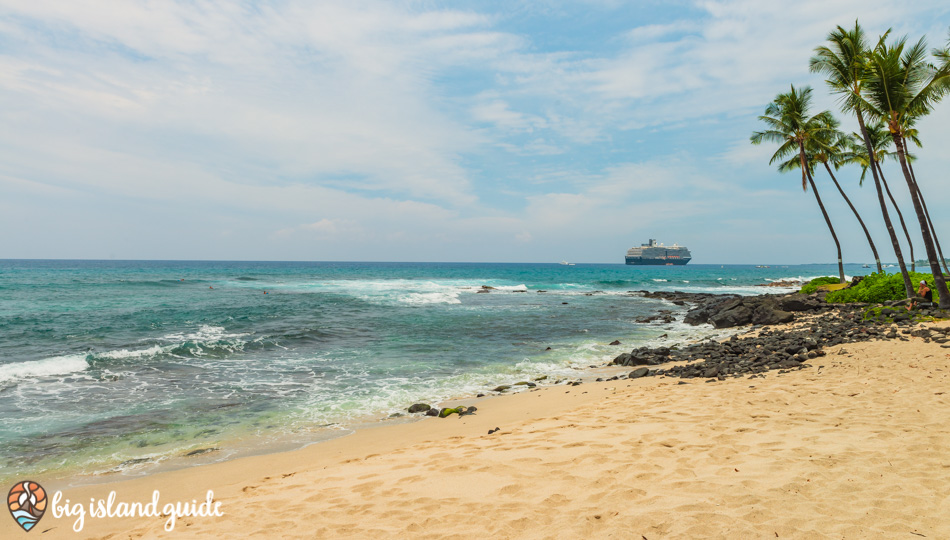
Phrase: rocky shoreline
[791,347]
[822,325]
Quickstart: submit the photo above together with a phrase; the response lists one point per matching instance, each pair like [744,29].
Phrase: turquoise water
[115,366]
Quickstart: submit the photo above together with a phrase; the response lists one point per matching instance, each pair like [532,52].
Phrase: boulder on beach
[799,302]
[769,314]
[729,311]
[447,411]
[706,308]
[748,310]
[732,313]
[643,356]
[461,411]
[639,372]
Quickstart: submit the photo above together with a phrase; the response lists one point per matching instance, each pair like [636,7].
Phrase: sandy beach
[854,449]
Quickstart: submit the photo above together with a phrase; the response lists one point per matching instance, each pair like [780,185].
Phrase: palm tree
[831,147]
[842,62]
[910,134]
[943,55]
[880,144]
[900,85]
[790,126]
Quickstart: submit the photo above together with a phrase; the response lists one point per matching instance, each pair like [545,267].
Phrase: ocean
[124,367]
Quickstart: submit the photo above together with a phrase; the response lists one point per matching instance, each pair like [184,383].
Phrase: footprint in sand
[511,489]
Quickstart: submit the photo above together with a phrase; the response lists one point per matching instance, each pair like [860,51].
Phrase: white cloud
[742,153]
[314,90]
[324,226]
[653,32]
[731,60]
[375,124]
[497,112]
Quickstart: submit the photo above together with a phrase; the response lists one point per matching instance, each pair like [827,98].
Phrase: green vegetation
[877,288]
[813,285]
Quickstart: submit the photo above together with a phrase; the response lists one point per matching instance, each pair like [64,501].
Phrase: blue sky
[424,130]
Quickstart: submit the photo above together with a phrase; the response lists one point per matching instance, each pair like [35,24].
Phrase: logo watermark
[28,502]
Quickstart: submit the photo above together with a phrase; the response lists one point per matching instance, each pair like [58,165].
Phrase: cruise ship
[653,253]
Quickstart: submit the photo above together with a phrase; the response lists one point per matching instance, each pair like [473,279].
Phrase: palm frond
[798,133]
[903,85]
[784,151]
[772,136]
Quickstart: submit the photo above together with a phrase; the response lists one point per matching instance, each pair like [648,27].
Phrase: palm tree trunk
[908,287]
[933,231]
[944,301]
[824,212]
[900,216]
[877,258]
[923,203]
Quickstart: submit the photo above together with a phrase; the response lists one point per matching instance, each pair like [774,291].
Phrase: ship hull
[636,261]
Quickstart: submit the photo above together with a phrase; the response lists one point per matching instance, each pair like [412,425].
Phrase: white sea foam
[414,293]
[747,290]
[451,297]
[521,287]
[806,279]
[48,367]
[125,353]
[409,291]
[203,334]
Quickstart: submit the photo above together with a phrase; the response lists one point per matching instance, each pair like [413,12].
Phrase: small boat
[565,263]
[866,266]
[762,266]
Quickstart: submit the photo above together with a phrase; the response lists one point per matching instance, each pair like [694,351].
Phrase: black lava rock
[639,372]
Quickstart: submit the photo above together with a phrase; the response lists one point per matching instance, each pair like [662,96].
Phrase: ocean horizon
[119,367]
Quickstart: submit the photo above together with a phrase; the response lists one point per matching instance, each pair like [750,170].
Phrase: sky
[477,131]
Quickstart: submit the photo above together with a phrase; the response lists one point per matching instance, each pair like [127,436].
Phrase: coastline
[596,364]
[330,345]
[655,456]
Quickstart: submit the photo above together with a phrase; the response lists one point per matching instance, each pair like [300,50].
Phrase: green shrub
[876,288]
[813,285]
